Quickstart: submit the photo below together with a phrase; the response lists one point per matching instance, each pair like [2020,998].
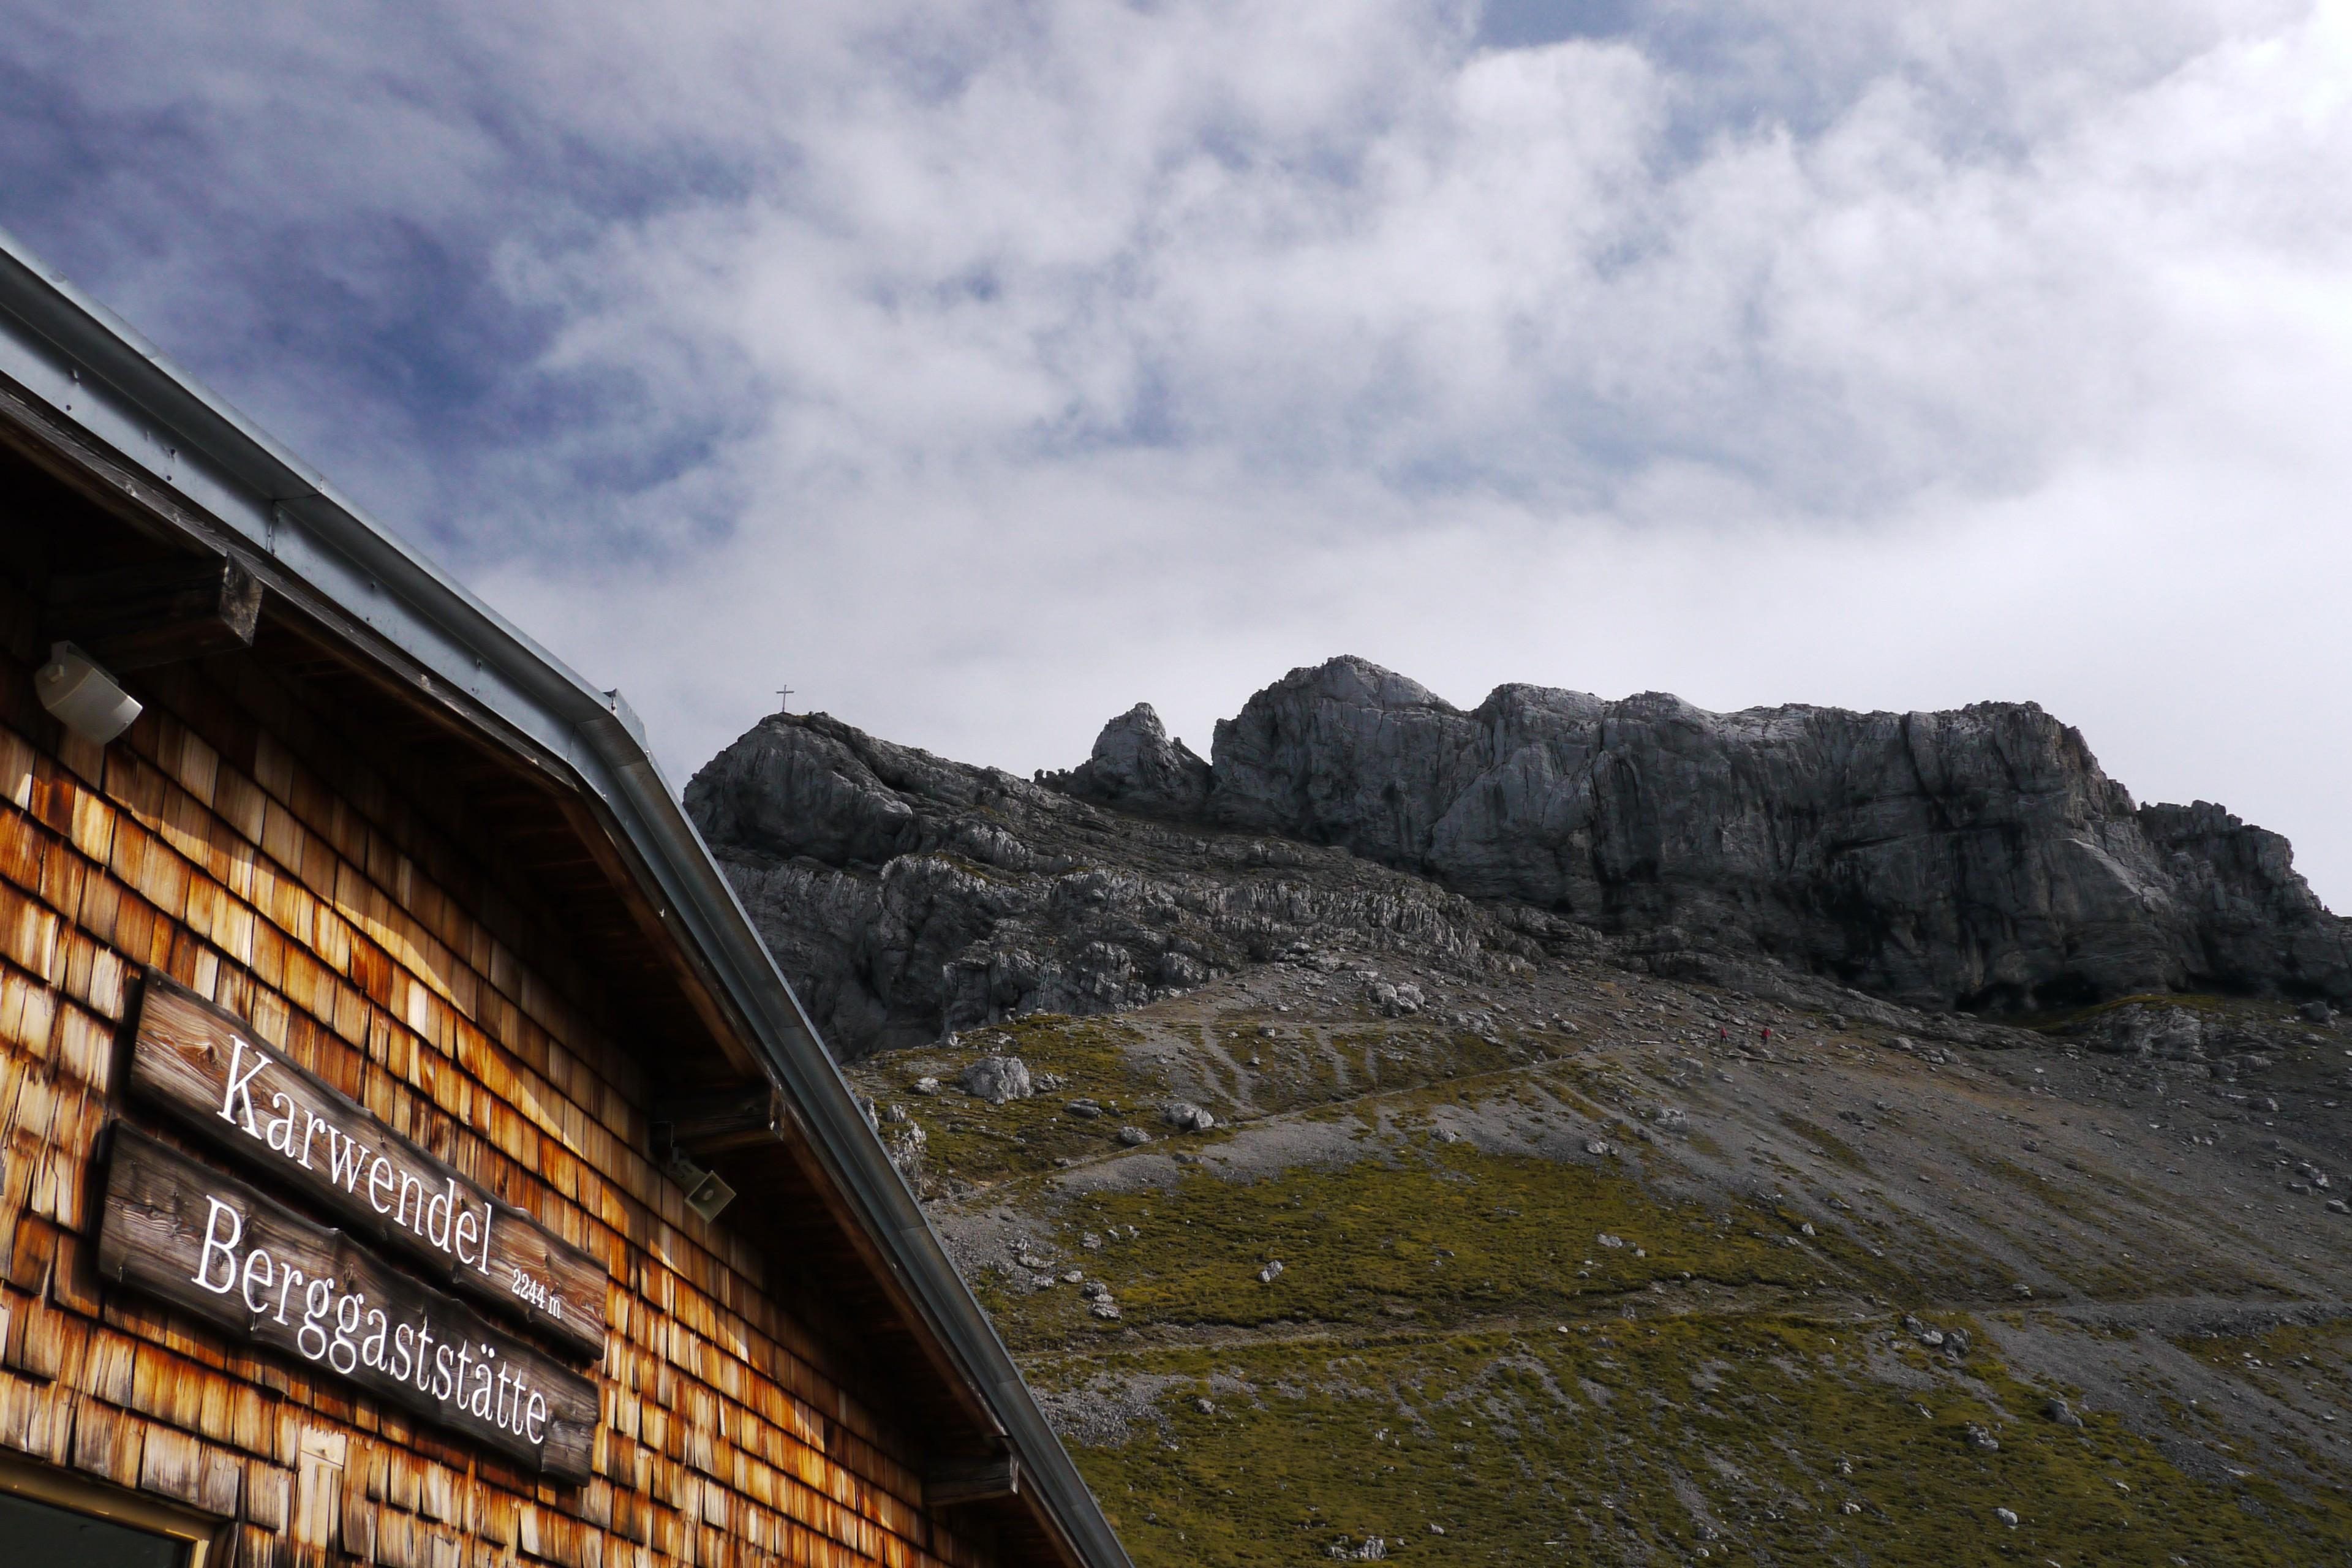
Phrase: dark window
[33,1531]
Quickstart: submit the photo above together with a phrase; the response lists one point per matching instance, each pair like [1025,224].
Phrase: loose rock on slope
[1619,1248]
[1634,1266]
[905,896]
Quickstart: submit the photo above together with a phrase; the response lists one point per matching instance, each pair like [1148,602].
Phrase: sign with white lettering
[200,1064]
[216,1247]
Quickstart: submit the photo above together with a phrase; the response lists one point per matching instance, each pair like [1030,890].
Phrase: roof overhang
[92,392]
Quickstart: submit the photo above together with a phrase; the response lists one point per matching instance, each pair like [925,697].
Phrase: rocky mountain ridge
[1978,860]
[907,896]
[1365,1161]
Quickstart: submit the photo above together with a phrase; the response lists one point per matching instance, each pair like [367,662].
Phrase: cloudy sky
[982,369]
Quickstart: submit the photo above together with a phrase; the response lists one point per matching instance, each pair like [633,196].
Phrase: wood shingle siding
[238,840]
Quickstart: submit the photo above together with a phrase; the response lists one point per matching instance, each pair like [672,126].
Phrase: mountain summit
[1411,1134]
[1974,860]
[1977,860]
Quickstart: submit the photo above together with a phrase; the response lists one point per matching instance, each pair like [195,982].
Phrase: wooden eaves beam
[951,1481]
[158,612]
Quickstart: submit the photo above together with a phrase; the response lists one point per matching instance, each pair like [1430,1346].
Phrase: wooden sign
[216,1247]
[198,1063]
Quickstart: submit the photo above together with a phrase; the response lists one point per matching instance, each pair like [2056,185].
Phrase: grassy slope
[1451,1347]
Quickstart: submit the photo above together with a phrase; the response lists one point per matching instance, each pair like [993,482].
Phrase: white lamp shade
[82,697]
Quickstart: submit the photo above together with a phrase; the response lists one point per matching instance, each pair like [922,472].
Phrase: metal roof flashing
[98,376]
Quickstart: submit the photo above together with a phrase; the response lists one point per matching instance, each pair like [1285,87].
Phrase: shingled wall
[234,840]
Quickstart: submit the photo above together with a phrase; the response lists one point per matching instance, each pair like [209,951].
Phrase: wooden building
[373,1021]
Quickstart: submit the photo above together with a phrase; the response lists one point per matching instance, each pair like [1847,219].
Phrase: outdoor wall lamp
[82,697]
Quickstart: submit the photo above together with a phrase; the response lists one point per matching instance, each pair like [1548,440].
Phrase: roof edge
[100,375]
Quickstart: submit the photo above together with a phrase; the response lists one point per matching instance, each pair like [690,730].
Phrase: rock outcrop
[905,895]
[1978,859]
[1136,767]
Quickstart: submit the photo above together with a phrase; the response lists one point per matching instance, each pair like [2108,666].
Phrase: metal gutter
[101,376]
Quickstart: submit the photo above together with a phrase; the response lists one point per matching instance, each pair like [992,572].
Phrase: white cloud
[981,371]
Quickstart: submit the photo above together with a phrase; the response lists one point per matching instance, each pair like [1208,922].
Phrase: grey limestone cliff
[1978,859]
[905,895]
[1137,768]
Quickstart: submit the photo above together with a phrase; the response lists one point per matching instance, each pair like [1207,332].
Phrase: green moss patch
[1114,1064]
[1437,1235]
[1716,1439]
